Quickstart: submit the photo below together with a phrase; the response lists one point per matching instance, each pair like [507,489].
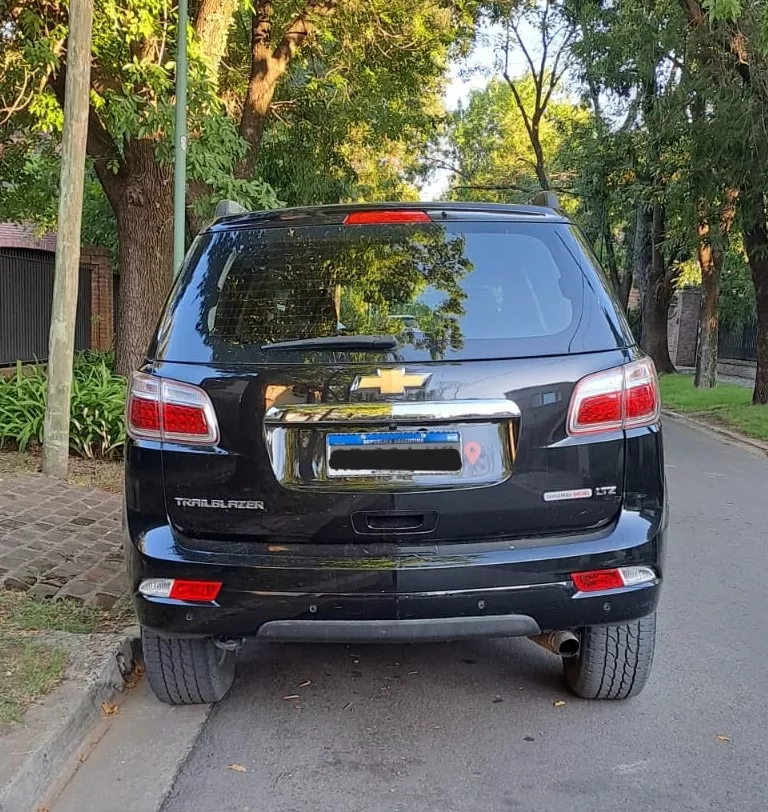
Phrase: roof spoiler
[547,199]
[225,208]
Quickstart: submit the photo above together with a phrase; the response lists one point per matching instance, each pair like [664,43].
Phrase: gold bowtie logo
[390,381]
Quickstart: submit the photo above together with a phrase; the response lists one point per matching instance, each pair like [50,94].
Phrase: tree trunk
[657,298]
[212,24]
[538,150]
[706,355]
[641,246]
[261,91]
[625,288]
[141,195]
[756,242]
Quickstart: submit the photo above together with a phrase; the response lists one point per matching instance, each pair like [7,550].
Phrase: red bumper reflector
[201,591]
[597,580]
[359,218]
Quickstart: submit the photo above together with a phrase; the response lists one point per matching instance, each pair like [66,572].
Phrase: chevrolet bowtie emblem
[390,381]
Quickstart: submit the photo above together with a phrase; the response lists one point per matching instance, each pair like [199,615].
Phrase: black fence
[26,294]
[738,342]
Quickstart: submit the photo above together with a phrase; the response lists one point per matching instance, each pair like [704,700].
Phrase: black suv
[394,423]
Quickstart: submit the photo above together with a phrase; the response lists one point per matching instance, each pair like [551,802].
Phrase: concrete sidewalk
[58,540]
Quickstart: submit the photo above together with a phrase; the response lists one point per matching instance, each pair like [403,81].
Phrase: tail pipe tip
[562,643]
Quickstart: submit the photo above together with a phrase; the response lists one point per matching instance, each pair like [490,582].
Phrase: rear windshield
[444,291]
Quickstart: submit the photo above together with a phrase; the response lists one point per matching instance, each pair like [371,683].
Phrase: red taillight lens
[159,409]
[623,397]
[597,580]
[373,217]
[145,415]
[600,409]
[201,591]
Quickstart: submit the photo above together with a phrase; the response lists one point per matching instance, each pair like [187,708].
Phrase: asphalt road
[474,726]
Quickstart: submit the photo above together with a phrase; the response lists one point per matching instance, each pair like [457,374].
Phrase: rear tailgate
[270,481]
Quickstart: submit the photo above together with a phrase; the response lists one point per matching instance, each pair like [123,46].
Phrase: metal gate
[739,342]
[26,295]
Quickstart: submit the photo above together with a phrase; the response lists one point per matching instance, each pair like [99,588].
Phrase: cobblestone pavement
[58,540]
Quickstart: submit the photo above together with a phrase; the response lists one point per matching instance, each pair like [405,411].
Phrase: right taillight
[620,398]
[176,412]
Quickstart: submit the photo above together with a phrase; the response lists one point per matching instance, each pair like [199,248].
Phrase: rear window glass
[460,290]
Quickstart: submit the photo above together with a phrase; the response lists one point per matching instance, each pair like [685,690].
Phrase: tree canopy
[296,101]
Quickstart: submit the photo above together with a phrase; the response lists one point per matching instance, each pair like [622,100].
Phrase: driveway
[481,726]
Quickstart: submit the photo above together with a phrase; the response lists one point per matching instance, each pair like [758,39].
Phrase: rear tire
[614,661]
[187,671]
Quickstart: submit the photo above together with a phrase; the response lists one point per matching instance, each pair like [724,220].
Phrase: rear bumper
[376,592]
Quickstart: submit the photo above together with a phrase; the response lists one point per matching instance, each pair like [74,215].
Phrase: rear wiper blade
[380,343]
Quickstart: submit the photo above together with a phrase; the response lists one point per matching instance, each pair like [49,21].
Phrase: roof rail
[546,198]
[226,207]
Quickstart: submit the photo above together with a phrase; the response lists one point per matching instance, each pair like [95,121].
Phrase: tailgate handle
[394,522]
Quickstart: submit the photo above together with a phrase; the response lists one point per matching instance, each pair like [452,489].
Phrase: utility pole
[61,341]
[180,143]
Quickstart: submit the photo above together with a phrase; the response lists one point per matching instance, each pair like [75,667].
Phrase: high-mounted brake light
[620,398]
[160,409]
[600,580]
[374,217]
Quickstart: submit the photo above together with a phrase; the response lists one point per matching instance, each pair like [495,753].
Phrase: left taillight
[619,398]
[160,409]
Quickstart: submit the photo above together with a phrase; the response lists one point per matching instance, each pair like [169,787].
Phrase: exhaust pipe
[564,643]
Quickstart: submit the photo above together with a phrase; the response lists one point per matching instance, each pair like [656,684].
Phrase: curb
[54,728]
[724,434]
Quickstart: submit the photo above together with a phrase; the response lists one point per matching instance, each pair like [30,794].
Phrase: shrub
[97,422]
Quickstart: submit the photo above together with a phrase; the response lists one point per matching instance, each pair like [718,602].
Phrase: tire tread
[614,662]
[186,671]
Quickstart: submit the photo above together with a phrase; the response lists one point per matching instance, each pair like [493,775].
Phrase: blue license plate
[389,438]
[392,453]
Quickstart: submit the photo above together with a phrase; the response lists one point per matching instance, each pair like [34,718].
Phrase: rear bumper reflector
[601,580]
[180,589]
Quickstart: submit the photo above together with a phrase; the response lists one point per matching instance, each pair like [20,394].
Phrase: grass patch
[100,474]
[20,612]
[28,670]
[727,404]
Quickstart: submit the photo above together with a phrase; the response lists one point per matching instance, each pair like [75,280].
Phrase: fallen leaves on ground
[134,678]
[559,703]
[724,739]
[237,768]
[108,709]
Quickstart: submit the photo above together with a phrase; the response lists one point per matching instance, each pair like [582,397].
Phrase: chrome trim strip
[464,411]
[446,593]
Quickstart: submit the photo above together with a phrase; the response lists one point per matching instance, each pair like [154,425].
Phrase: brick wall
[102,326]
[15,235]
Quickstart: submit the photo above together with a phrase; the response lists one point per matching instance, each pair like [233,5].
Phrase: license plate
[382,453]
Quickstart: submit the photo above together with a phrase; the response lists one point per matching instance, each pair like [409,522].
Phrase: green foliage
[491,152]
[360,102]
[737,292]
[97,423]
